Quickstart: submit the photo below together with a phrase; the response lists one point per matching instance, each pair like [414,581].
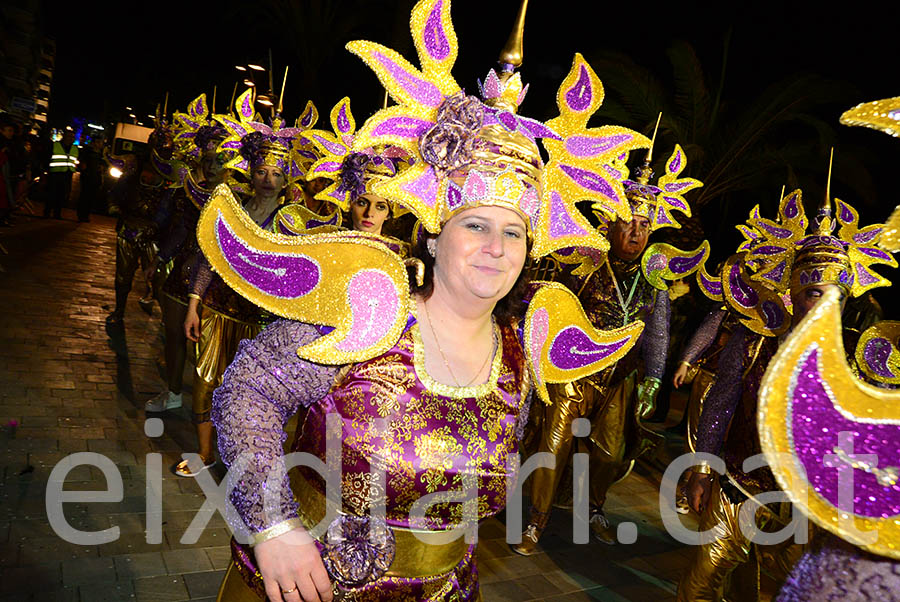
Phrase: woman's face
[213,167]
[368,213]
[480,253]
[268,180]
[805,299]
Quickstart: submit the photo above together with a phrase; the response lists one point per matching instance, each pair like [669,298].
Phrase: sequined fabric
[723,398]
[434,438]
[832,570]
[703,337]
[601,304]
[262,388]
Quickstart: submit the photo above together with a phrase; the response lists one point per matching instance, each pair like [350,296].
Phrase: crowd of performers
[427,279]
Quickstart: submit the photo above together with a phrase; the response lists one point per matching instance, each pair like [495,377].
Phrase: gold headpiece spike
[213,107]
[158,116]
[281,96]
[653,139]
[513,50]
[386,100]
[825,210]
[233,94]
[644,172]
[781,196]
[166,106]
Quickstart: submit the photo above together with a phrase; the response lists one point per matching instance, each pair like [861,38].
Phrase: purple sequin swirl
[208,137]
[448,144]
[353,174]
[358,549]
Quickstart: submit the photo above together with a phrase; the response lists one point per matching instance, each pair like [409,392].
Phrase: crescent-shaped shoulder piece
[711,286]
[890,238]
[819,425]
[877,352]
[341,280]
[561,344]
[881,115]
[173,170]
[762,309]
[662,262]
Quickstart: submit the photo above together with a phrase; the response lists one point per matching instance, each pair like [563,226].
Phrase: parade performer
[135,200]
[615,292]
[351,178]
[442,373]
[267,159]
[780,259]
[821,426]
[198,139]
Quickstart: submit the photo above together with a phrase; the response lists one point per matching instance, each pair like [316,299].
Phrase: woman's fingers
[307,590]
[322,583]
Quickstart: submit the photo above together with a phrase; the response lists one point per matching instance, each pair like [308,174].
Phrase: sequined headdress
[352,172]
[778,257]
[196,130]
[256,143]
[470,152]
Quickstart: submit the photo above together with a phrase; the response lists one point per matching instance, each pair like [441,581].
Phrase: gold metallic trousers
[700,386]
[610,409]
[728,568]
[219,339]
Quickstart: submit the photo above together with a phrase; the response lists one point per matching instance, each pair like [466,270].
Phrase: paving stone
[107,592]
[220,556]
[164,588]
[88,570]
[190,560]
[135,566]
[204,584]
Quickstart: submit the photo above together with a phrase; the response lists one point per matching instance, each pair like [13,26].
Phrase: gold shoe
[182,469]
[601,529]
[529,545]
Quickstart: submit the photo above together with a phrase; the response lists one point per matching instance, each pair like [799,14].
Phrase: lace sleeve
[262,388]
[655,339]
[718,408]
[703,337]
[203,275]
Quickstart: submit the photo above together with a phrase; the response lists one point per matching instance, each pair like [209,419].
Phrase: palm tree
[743,149]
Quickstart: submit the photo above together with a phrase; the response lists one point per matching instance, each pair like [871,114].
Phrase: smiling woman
[443,370]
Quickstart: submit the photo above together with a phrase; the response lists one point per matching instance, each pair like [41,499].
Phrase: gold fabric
[413,556]
[700,387]
[728,568]
[615,438]
[129,256]
[219,338]
[234,589]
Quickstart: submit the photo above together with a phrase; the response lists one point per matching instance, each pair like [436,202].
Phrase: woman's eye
[514,234]
[475,227]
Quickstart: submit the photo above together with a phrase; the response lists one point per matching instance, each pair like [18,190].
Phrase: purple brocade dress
[833,570]
[426,437]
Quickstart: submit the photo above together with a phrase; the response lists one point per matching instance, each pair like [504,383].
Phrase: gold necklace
[444,357]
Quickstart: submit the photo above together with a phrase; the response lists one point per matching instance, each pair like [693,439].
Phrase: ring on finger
[289,591]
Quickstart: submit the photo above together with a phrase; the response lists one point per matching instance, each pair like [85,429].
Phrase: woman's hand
[192,321]
[698,489]
[292,568]
[680,374]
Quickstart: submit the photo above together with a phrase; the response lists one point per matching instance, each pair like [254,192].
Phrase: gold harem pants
[728,568]
[219,339]
[615,438]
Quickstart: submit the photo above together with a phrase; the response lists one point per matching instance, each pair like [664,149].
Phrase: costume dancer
[615,292]
[266,158]
[780,258]
[444,369]
[821,426]
[198,140]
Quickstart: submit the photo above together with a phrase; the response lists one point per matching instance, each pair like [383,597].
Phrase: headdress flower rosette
[447,133]
[353,172]
[658,202]
[303,146]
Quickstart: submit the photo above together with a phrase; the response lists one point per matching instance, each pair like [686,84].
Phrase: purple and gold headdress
[470,152]
[353,173]
[255,143]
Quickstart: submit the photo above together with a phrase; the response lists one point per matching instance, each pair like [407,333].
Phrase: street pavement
[70,384]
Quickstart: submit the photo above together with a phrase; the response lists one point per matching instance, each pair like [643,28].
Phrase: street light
[240,67]
[256,67]
[249,83]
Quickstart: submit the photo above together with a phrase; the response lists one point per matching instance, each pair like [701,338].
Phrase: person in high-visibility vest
[63,163]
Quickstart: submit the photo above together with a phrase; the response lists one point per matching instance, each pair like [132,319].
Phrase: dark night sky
[109,57]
